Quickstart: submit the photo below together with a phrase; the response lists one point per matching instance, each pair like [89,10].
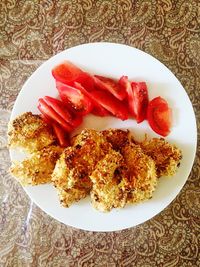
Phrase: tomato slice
[97,108]
[81,104]
[110,85]
[63,138]
[46,110]
[137,98]
[67,73]
[140,100]
[59,108]
[159,116]
[126,84]
[110,103]
[46,119]
[64,111]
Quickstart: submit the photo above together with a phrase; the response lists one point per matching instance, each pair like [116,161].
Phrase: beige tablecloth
[33,31]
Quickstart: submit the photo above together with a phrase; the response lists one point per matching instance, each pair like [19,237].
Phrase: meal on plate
[110,166]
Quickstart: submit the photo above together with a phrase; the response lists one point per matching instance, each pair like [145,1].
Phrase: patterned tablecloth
[32,31]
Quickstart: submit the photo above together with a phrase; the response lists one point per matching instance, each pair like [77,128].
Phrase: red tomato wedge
[126,84]
[113,105]
[46,110]
[140,100]
[97,108]
[46,119]
[81,104]
[64,111]
[61,135]
[67,73]
[59,107]
[110,85]
[159,116]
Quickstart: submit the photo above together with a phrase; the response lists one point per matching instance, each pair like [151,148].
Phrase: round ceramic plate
[115,60]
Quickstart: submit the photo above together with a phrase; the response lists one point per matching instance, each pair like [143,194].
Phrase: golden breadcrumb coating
[167,157]
[117,137]
[29,133]
[36,169]
[143,179]
[108,189]
[69,196]
[77,162]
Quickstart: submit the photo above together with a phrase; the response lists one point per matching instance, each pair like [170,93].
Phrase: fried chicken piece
[109,183]
[76,164]
[37,169]
[167,157]
[117,137]
[143,179]
[29,133]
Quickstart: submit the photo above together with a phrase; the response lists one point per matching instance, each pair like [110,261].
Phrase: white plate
[115,60]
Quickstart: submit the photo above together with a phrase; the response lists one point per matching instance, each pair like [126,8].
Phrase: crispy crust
[109,165]
[76,164]
[143,178]
[117,137]
[29,133]
[38,168]
[166,156]
[108,189]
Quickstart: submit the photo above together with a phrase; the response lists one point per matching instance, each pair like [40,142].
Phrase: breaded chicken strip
[117,137]
[109,183]
[167,157]
[29,132]
[76,164]
[143,179]
[37,169]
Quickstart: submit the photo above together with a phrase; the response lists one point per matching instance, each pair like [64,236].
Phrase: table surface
[33,31]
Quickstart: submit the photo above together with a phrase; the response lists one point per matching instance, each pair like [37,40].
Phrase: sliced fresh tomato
[159,116]
[59,107]
[140,100]
[63,138]
[126,84]
[67,73]
[46,110]
[110,85]
[100,111]
[110,103]
[137,98]
[80,102]
[46,119]
[97,108]
[64,111]
[77,120]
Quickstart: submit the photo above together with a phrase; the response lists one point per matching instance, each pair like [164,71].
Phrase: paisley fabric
[31,31]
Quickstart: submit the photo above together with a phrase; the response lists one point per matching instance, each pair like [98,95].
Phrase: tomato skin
[159,116]
[46,119]
[126,84]
[137,96]
[67,73]
[59,108]
[97,108]
[47,111]
[63,138]
[113,105]
[80,103]
[110,85]
[140,100]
